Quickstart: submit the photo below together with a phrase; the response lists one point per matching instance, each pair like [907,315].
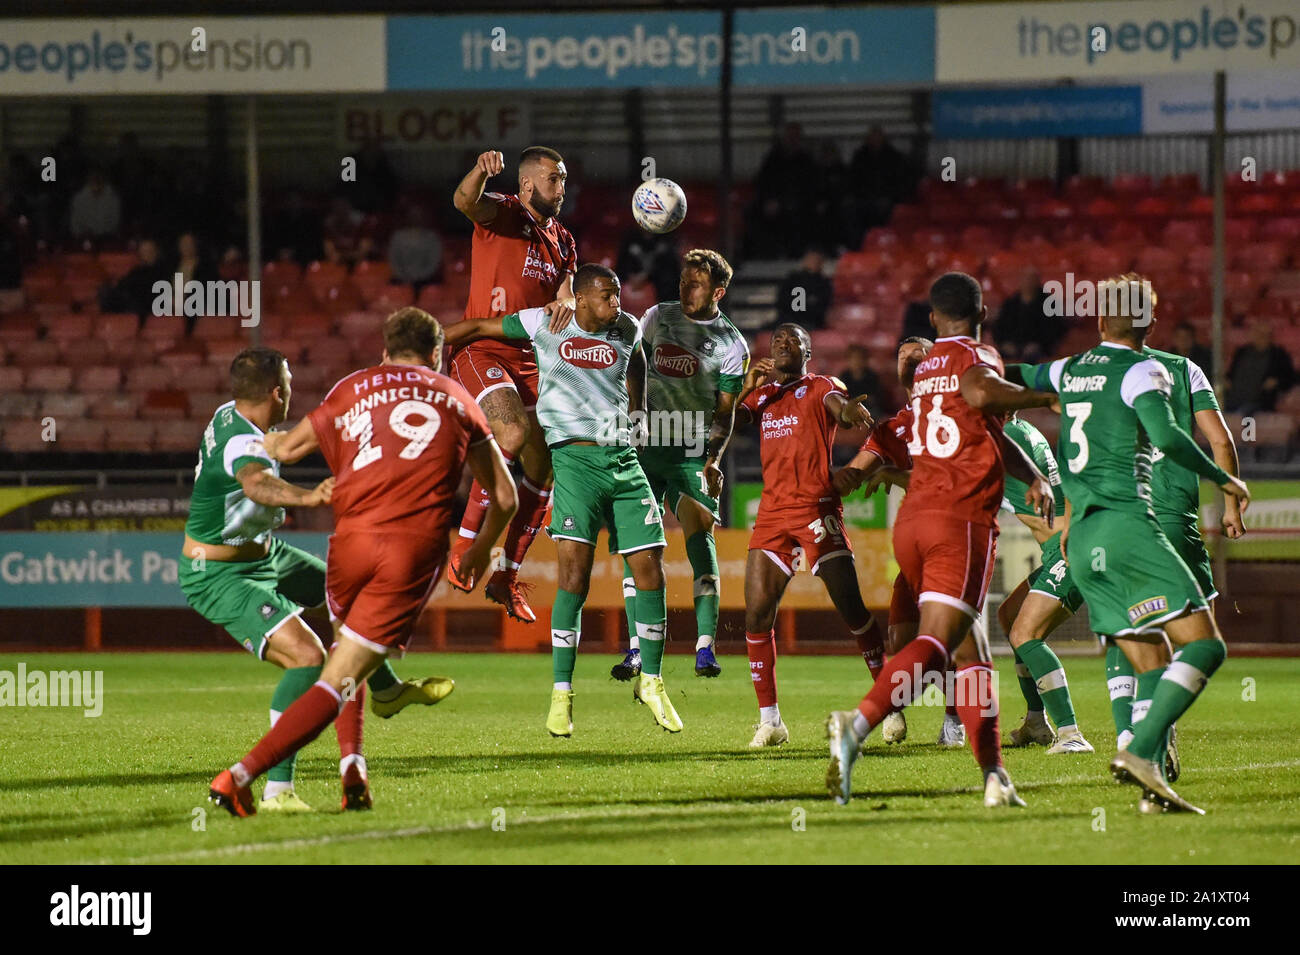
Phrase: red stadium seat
[207,377]
[1184,233]
[222,351]
[1080,187]
[64,407]
[117,407]
[79,436]
[131,436]
[116,326]
[337,299]
[182,357]
[165,403]
[1258,203]
[11,379]
[1259,257]
[1131,184]
[62,328]
[389,298]
[162,332]
[1282,228]
[24,436]
[1154,207]
[1181,184]
[1155,259]
[1237,231]
[114,265]
[99,378]
[177,435]
[19,328]
[146,378]
[330,353]
[204,403]
[34,354]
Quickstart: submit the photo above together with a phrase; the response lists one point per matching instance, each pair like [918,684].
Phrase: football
[659,205]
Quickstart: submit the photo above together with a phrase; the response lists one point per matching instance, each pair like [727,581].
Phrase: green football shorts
[1053,578]
[251,599]
[673,475]
[1186,537]
[599,486]
[1128,572]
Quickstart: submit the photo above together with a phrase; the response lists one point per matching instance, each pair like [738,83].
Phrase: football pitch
[477,779]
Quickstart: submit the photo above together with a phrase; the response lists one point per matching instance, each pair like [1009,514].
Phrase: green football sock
[566,631]
[294,683]
[1180,684]
[1146,688]
[629,605]
[1049,679]
[1028,688]
[1122,683]
[382,679]
[703,555]
[651,626]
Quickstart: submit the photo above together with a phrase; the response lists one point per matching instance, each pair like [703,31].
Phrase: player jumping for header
[592,374]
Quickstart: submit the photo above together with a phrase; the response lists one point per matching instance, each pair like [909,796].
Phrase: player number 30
[361,429]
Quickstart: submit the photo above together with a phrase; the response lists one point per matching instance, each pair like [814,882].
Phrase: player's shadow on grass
[114,779]
[20,829]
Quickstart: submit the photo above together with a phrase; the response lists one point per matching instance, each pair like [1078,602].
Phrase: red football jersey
[888,440]
[956,450]
[796,431]
[396,438]
[527,262]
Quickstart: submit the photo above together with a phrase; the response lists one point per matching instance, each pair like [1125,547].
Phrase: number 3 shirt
[796,431]
[396,438]
[956,449]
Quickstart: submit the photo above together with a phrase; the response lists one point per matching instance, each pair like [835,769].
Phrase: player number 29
[942,437]
[361,429]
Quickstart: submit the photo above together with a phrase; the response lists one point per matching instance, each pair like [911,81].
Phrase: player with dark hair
[397,437]
[800,517]
[521,257]
[240,577]
[945,534]
[592,376]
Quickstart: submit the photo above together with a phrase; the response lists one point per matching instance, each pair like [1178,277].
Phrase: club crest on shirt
[615,334]
[800,392]
[762,400]
[707,346]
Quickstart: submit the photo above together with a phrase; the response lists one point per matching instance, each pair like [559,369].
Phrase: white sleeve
[532,319]
[244,446]
[1055,371]
[649,321]
[640,330]
[737,361]
[1145,376]
[1197,378]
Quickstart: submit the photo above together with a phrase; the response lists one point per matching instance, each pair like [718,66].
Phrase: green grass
[124,787]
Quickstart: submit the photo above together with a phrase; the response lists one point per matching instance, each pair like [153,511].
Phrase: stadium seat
[182,357]
[94,378]
[204,403]
[145,378]
[207,377]
[329,353]
[337,299]
[17,405]
[1153,258]
[64,406]
[389,298]
[78,436]
[222,351]
[33,354]
[177,436]
[1259,256]
[49,378]
[135,437]
[114,265]
[1282,228]
[114,406]
[61,328]
[357,325]
[1258,203]
[162,332]
[115,326]
[1237,231]
[306,326]
[19,328]
[24,436]
[165,403]
[1131,184]
[11,379]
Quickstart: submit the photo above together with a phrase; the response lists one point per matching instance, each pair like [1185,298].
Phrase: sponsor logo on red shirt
[675,362]
[588,353]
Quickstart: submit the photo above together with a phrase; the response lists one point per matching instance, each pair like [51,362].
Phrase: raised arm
[985,389]
[472,329]
[468,197]
[757,376]
[1157,419]
[263,487]
[290,447]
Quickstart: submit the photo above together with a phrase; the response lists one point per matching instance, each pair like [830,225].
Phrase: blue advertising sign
[102,569]
[1050,113]
[793,47]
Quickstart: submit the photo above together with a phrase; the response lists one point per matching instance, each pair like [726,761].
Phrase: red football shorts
[483,370]
[796,540]
[902,603]
[376,584]
[946,559]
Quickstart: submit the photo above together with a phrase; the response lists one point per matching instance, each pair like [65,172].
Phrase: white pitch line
[246,848]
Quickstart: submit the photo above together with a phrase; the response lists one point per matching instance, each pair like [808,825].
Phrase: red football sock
[762,665]
[297,726]
[349,724]
[903,678]
[871,644]
[527,521]
[977,705]
[477,504]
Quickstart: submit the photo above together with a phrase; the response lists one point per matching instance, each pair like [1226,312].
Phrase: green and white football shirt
[688,364]
[1175,491]
[1033,443]
[582,392]
[1105,449]
[220,512]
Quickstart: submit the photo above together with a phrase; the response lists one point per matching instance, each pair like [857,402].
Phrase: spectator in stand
[346,238]
[12,245]
[785,192]
[1259,373]
[643,257]
[193,265]
[296,232]
[805,295]
[832,190]
[1185,344]
[96,211]
[134,291]
[376,184]
[881,176]
[860,379]
[415,252]
[26,198]
[1023,331]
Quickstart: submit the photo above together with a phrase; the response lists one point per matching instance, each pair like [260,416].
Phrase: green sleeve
[1157,418]
[1037,377]
[513,327]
